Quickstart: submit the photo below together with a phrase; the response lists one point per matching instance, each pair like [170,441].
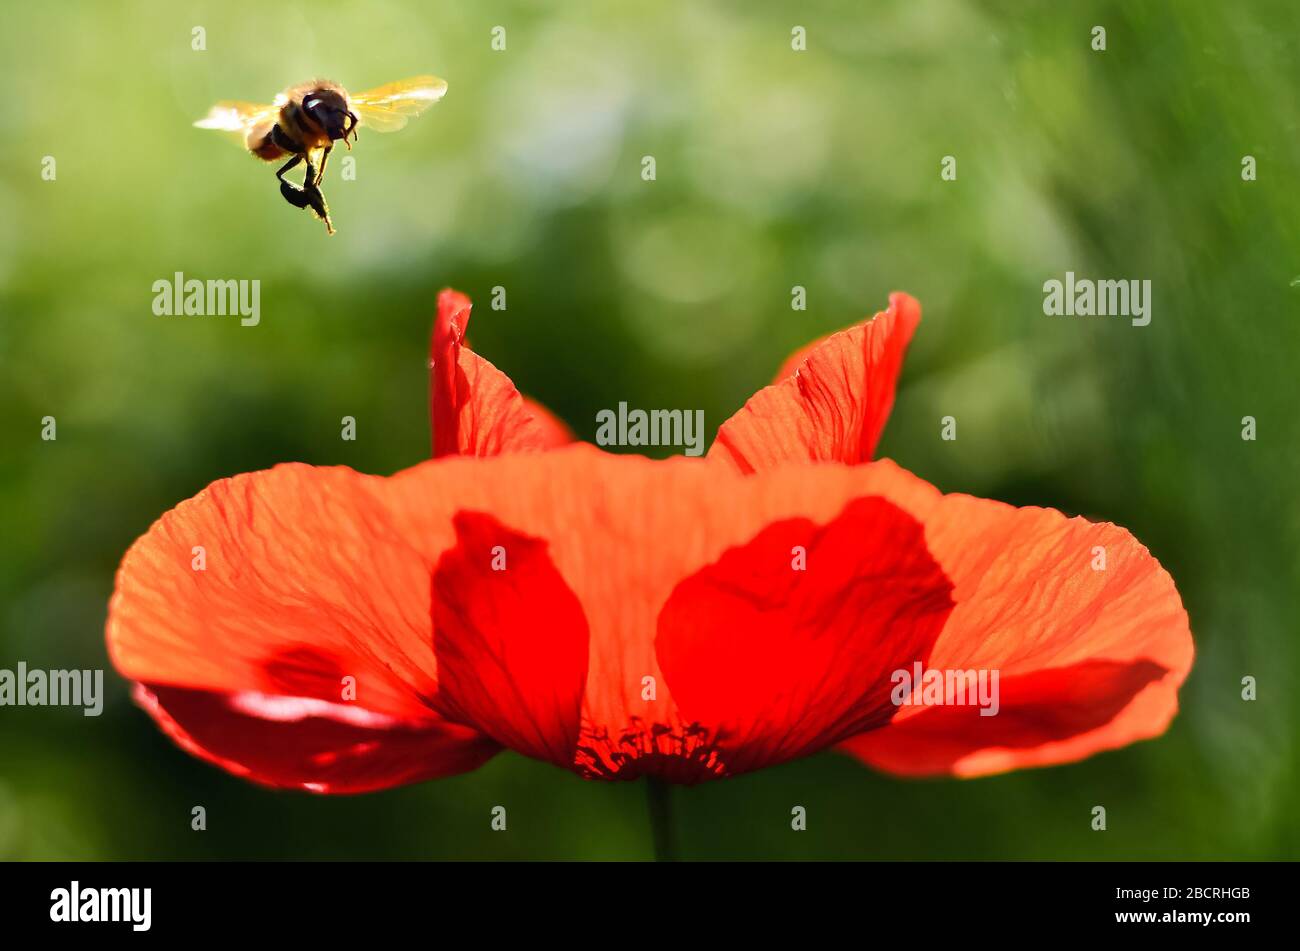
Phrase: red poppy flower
[685,619]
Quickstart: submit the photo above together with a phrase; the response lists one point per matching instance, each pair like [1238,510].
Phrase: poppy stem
[659,803]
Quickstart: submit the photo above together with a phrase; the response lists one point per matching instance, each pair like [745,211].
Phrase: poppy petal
[1037,711]
[1084,626]
[833,402]
[474,408]
[301,743]
[788,642]
[511,640]
[294,585]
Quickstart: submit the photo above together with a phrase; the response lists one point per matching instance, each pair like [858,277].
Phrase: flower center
[673,752]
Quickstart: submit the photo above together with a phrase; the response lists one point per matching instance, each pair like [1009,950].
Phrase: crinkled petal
[303,743]
[294,589]
[831,404]
[1089,657]
[474,408]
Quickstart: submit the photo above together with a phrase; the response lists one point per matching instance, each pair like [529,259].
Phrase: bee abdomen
[261,142]
[269,141]
[263,146]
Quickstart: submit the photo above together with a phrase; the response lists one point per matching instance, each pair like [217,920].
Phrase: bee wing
[388,108]
[233,116]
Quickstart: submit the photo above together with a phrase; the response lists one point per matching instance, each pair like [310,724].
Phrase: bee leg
[288,165]
[323,159]
[294,195]
[315,198]
[298,197]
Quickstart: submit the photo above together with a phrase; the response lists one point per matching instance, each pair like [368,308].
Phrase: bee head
[330,111]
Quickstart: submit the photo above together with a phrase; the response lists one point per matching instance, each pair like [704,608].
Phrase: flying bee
[309,118]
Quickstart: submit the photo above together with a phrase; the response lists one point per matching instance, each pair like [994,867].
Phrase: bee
[309,118]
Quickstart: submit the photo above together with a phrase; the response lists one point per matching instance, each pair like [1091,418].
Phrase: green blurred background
[775,168]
